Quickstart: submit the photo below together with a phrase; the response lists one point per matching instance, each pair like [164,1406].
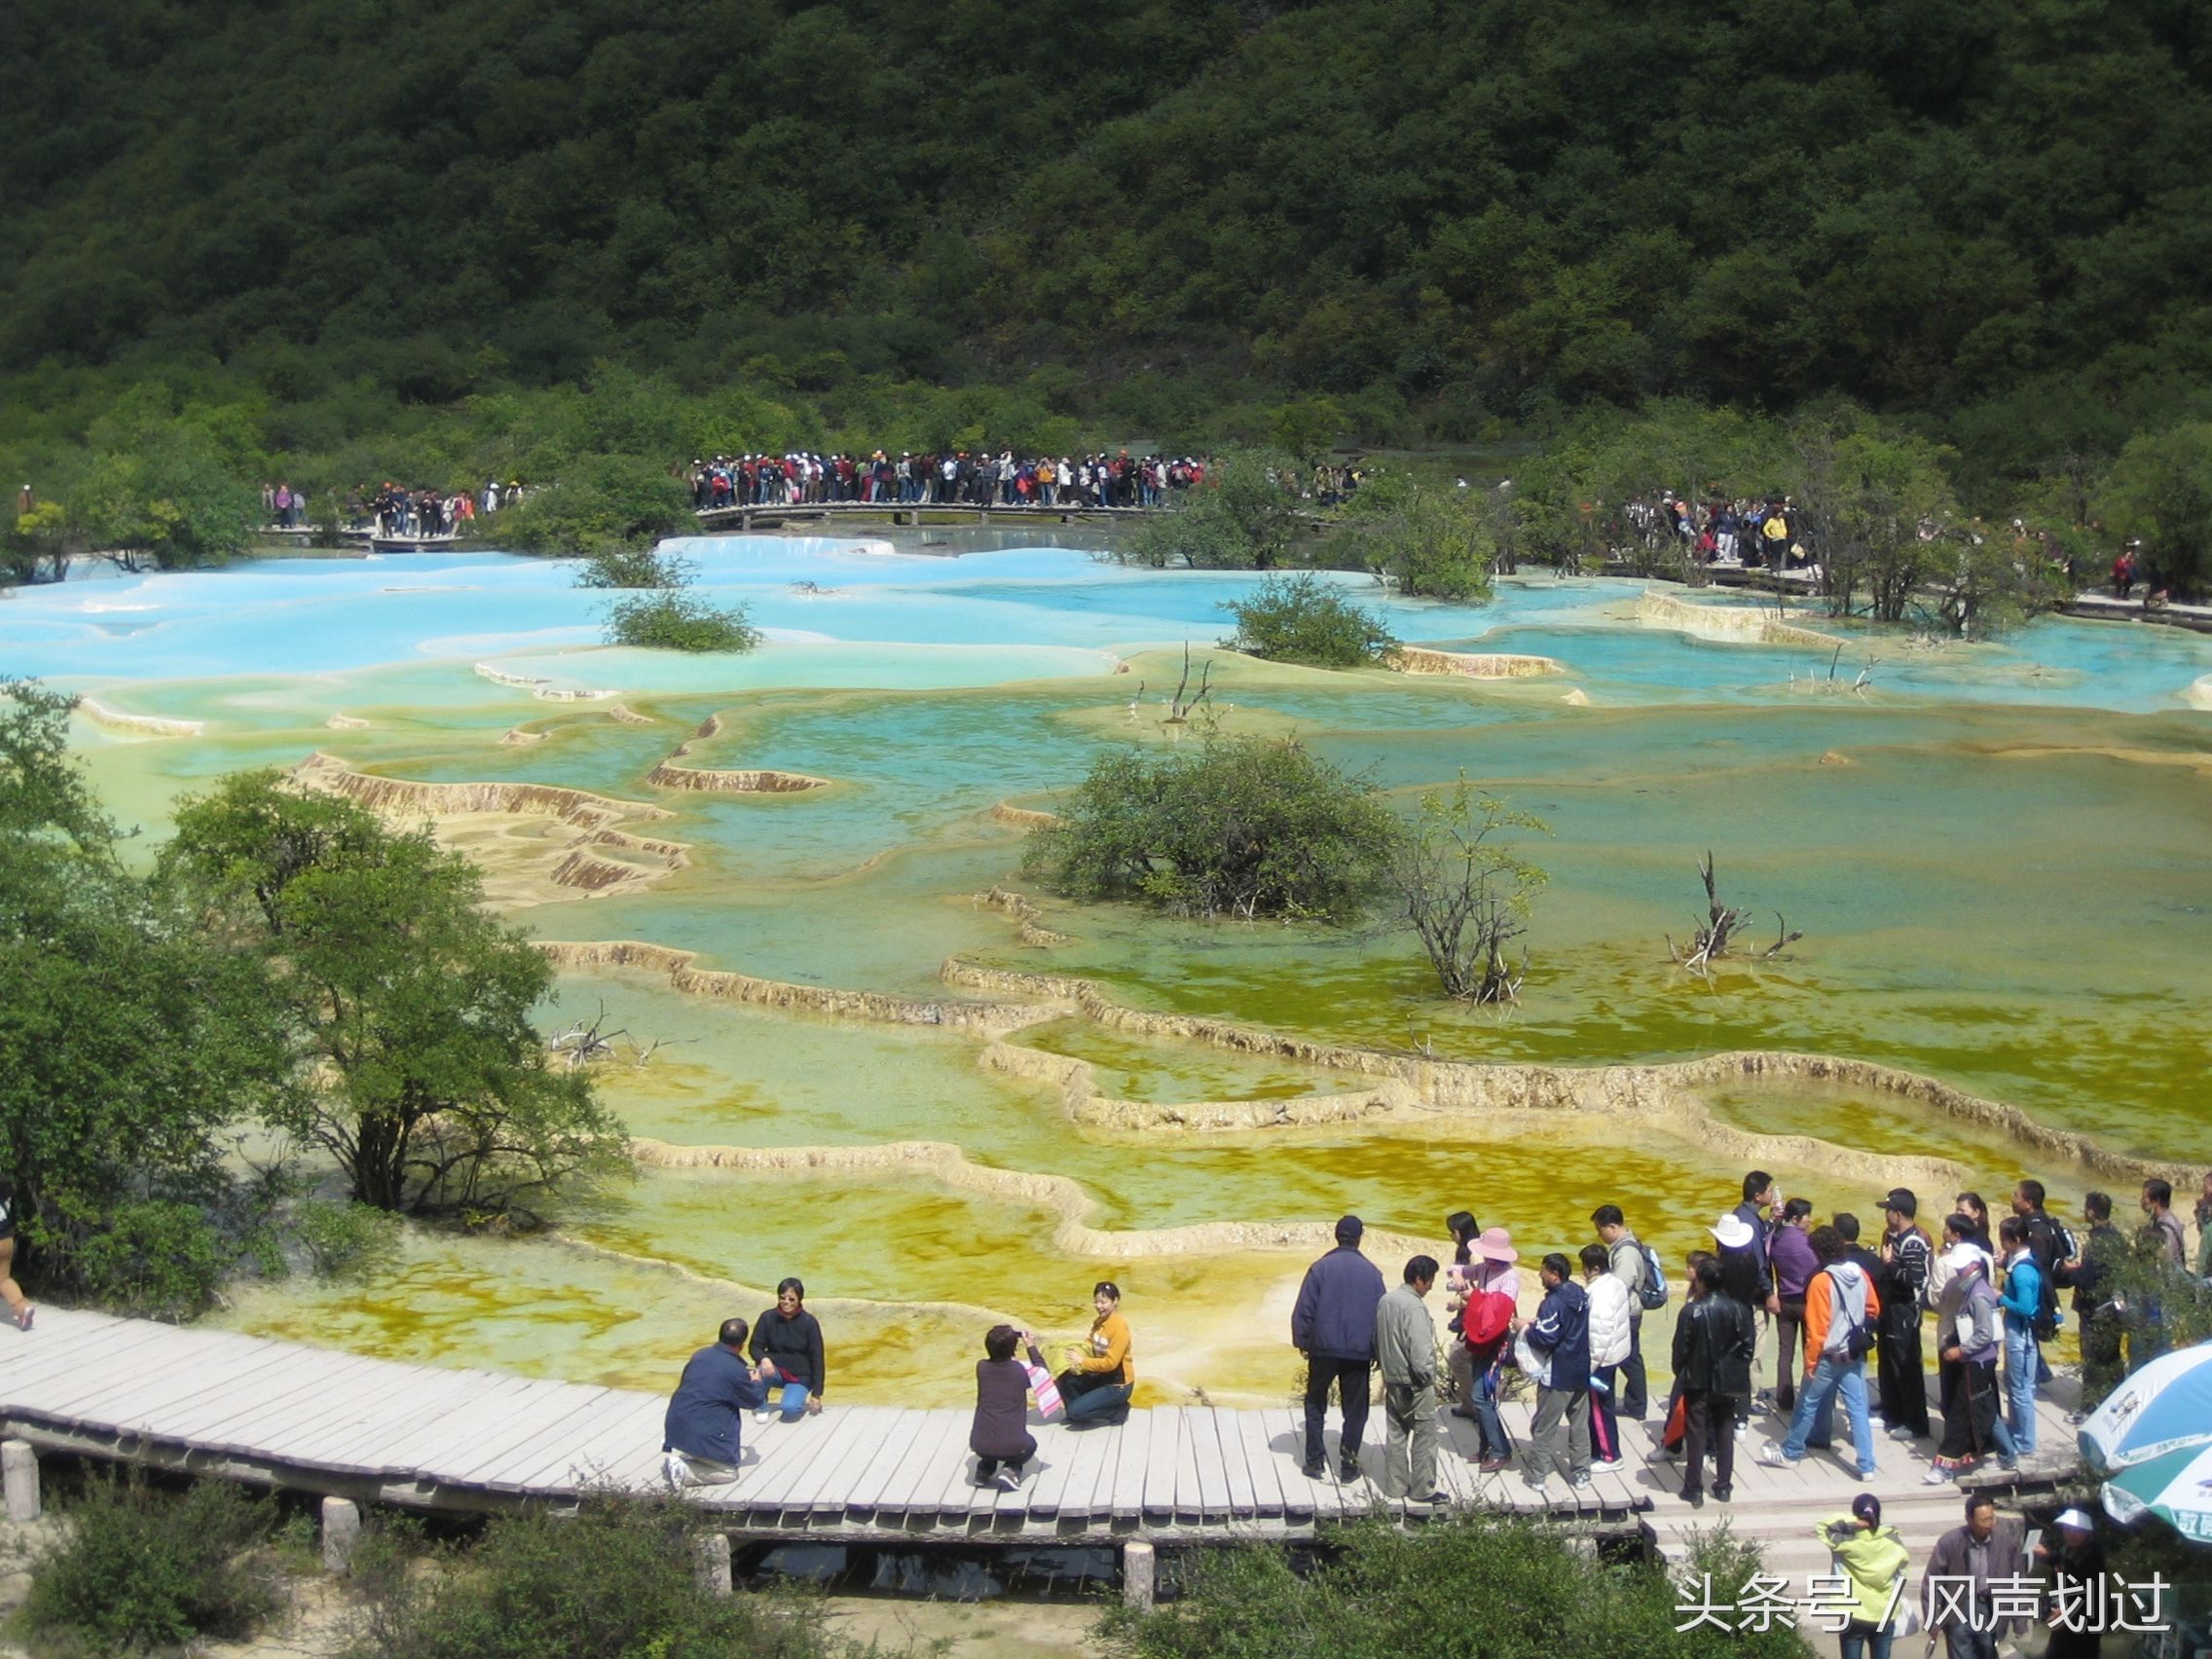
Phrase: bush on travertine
[144,1569]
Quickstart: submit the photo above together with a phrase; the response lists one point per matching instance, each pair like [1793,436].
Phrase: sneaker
[2011,1465]
[1866,1477]
[1694,1497]
[1436,1499]
[1773,1457]
[1937,1476]
[1609,1462]
[673,1471]
[1534,1483]
[1723,1494]
[1314,1471]
[1347,1472]
[1902,1434]
[1667,1455]
[1581,1480]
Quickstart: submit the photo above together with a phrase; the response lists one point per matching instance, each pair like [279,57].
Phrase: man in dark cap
[1906,1253]
[1333,1326]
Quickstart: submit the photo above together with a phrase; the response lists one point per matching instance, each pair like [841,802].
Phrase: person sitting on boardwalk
[1872,1562]
[1333,1326]
[1405,1345]
[1555,1351]
[1000,1431]
[1713,1342]
[20,1307]
[699,1437]
[1102,1371]
[790,1338]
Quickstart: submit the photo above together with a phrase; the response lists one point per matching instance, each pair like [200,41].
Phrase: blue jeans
[1815,1416]
[2021,1357]
[1106,1400]
[1495,1443]
[1863,1641]
[790,1398]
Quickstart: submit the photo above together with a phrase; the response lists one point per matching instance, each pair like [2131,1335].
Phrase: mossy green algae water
[1997,853]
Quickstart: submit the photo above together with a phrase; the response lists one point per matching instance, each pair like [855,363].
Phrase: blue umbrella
[2165,1408]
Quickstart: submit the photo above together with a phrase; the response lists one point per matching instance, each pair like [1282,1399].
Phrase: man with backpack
[1638,1266]
[1906,1253]
[2049,1244]
[1841,1305]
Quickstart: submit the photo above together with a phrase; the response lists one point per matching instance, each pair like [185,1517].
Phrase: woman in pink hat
[1493,1295]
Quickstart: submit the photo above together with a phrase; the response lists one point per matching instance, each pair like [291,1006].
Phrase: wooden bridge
[218,1403]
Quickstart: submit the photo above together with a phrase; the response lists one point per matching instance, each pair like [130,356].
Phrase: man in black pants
[1333,1326]
[1906,1251]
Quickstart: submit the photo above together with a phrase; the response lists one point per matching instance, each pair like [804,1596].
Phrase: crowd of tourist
[422,515]
[1834,1293]
[954,478]
[1750,531]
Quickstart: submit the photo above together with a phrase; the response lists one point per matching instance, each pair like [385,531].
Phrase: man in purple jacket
[1333,1326]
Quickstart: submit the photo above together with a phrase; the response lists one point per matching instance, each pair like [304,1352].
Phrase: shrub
[144,1567]
[675,620]
[613,1580]
[344,1239]
[603,502]
[151,1258]
[1244,826]
[1303,619]
[635,568]
[1244,517]
[1482,1588]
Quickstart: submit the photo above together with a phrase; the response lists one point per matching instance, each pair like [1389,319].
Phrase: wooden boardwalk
[381,1431]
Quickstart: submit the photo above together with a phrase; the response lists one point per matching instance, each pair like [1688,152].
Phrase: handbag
[1046,1390]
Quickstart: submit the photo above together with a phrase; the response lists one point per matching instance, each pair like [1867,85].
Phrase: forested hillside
[1450,218]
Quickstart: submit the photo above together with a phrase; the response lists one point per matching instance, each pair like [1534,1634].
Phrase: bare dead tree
[581,1044]
[1179,711]
[1718,932]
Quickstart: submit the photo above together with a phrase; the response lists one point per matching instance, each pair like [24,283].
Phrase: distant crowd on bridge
[1830,1295]
[953,478]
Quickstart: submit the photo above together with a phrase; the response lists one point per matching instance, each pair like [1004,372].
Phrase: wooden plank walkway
[281,1414]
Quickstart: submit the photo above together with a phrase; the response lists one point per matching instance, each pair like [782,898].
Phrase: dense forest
[376,231]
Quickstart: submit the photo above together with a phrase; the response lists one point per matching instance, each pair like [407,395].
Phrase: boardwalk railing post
[710,1563]
[1139,1568]
[341,1531]
[18,1466]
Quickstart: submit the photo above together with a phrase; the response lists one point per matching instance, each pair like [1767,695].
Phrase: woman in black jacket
[791,1336]
[1713,1368]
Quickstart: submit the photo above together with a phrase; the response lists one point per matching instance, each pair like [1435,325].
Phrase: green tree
[1243,826]
[1877,511]
[127,1042]
[424,1078]
[1465,892]
[602,503]
[168,500]
[1244,517]
[2160,490]
[1432,541]
[675,620]
[1301,618]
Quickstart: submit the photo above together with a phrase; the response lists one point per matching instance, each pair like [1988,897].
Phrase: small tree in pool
[1466,893]
[1303,619]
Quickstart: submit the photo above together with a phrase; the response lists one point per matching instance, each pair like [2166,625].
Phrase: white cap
[2077,1521]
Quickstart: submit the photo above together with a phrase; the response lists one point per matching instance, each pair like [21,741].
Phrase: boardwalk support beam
[19,1468]
[710,1563]
[341,1531]
[1140,1566]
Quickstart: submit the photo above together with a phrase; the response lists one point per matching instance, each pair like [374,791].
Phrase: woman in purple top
[1000,1432]
[1790,1250]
